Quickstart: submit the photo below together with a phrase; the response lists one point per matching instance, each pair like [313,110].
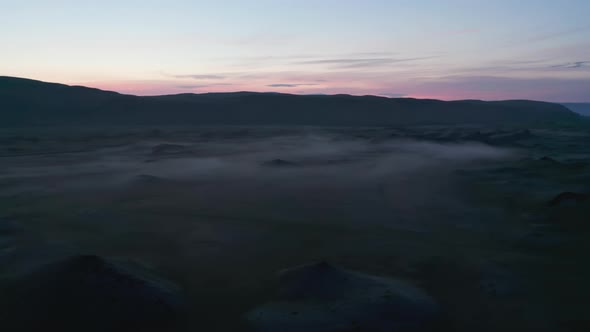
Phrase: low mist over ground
[265,171]
[462,212]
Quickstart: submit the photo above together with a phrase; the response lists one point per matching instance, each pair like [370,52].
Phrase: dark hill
[581,108]
[26,102]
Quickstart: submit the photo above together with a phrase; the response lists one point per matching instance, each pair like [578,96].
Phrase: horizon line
[291,94]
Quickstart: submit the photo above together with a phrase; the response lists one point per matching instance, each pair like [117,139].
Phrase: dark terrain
[143,227]
[26,103]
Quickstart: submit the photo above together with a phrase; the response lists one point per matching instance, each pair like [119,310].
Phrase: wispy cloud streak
[200,77]
[289,85]
[577,64]
[360,62]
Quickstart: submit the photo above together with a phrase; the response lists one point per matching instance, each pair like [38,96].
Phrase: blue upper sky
[451,49]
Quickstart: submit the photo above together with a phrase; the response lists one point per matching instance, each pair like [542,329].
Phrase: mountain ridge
[37,103]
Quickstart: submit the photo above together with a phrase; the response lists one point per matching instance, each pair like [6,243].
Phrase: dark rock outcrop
[87,293]
[509,137]
[147,179]
[8,227]
[568,198]
[549,160]
[279,163]
[169,149]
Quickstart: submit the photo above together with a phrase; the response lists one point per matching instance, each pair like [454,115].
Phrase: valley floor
[465,213]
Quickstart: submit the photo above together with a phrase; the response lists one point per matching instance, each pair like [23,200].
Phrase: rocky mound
[321,298]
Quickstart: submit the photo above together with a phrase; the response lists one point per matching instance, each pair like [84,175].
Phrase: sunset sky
[452,49]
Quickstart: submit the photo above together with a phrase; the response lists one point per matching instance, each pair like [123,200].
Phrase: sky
[451,49]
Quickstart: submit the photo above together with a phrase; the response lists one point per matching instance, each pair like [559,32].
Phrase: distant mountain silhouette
[25,102]
[581,108]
